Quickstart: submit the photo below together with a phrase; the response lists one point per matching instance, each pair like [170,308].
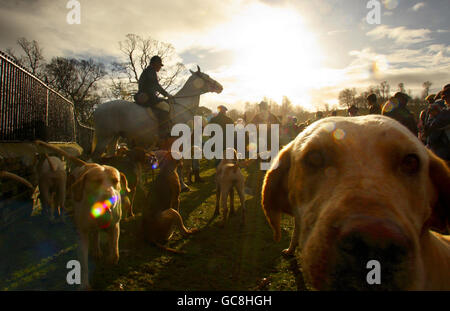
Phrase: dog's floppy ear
[440,178]
[77,188]
[275,191]
[124,183]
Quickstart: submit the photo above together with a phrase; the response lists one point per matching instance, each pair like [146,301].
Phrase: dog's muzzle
[359,242]
[101,211]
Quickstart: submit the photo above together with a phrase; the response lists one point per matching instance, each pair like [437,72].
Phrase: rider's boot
[165,140]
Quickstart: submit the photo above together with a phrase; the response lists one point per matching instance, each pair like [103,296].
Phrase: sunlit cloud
[305,50]
[275,54]
[418,6]
[400,35]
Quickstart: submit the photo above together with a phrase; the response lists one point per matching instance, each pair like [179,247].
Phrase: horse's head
[203,82]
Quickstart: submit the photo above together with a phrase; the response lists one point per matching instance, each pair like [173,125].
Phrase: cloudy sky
[306,50]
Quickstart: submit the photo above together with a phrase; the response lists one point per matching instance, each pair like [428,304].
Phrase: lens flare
[99,208]
[339,134]
[389,106]
[390,4]
[379,66]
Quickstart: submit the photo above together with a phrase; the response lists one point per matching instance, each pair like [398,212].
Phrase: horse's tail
[94,143]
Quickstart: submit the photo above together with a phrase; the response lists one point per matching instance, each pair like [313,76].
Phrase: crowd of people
[432,127]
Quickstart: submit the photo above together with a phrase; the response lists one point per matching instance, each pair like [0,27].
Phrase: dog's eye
[410,164]
[315,159]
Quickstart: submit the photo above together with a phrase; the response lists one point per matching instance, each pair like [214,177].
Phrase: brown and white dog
[161,216]
[97,198]
[131,163]
[96,194]
[228,178]
[361,189]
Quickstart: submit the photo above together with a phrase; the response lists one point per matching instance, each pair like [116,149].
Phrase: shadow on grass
[235,257]
[35,253]
[231,258]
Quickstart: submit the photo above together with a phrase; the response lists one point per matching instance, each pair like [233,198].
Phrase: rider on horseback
[146,96]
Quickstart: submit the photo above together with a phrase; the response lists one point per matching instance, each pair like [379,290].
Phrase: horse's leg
[102,143]
[111,147]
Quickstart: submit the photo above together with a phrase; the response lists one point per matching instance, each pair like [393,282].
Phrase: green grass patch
[235,257]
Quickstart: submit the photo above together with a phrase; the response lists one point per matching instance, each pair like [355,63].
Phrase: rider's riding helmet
[156,60]
[222,108]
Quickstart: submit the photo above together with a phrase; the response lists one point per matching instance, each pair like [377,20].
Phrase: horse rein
[189,109]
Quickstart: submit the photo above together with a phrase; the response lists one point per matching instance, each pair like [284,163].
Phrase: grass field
[34,253]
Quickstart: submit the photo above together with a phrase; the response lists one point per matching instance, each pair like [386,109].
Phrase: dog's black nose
[360,242]
[362,247]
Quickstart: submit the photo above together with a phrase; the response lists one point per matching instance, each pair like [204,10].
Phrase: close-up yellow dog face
[365,189]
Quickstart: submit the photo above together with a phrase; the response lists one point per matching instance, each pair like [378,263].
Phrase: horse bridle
[189,109]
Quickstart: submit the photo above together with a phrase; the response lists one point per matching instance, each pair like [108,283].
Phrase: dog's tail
[61,152]
[50,163]
[16,178]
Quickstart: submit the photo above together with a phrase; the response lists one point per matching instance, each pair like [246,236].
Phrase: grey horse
[121,118]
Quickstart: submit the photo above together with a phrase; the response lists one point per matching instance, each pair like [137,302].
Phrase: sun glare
[275,54]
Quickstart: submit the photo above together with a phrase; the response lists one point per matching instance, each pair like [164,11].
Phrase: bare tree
[286,107]
[77,80]
[250,110]
[31,57]
[137,52]
[361,99]
[375,89]
[426,89]
[385,89]
[347,97]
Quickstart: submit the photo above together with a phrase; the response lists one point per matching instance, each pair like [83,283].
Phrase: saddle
[142,99]
[161,106]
